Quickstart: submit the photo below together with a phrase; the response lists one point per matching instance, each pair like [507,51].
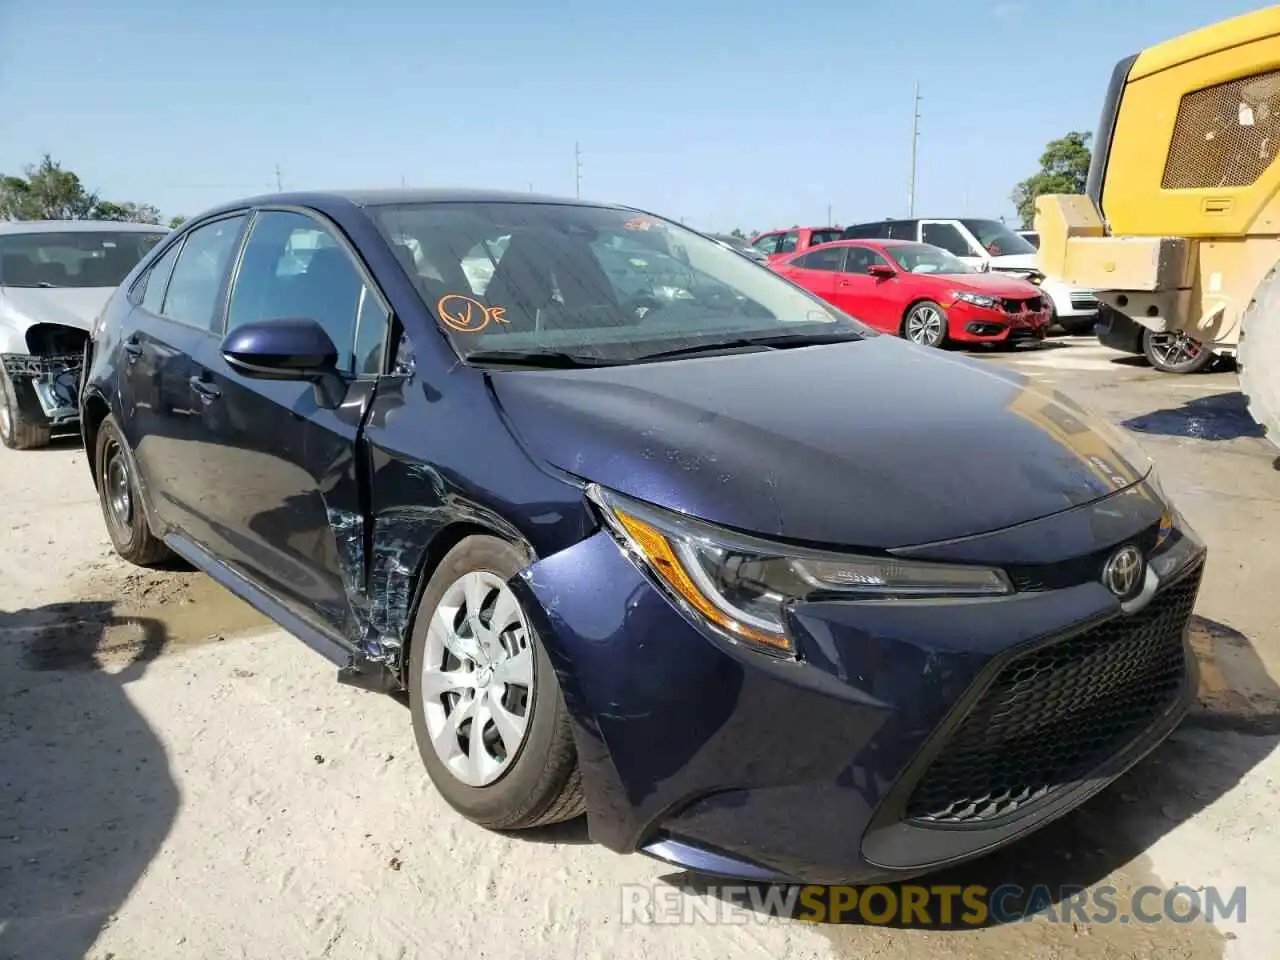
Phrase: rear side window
[823,236]
[156,280]
[196,282]
[948,237]
[867,231]
[826,259]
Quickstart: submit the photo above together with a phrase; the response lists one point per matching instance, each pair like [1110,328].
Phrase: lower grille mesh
[1055,713]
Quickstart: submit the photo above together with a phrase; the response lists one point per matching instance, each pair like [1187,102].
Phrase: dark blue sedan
[760,592]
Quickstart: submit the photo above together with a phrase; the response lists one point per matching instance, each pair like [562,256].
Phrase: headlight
[977,299]
[743,586]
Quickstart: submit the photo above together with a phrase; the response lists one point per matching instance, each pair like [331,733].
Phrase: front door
[872,299]
[285,474]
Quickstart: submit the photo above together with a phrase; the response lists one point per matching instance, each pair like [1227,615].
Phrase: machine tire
[1258,356]
[18,431]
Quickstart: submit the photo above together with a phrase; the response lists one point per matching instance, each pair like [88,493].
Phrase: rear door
[174,304]
[285,477]
[816,271]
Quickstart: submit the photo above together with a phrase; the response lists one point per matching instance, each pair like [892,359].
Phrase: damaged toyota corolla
[761,593]
[55,277]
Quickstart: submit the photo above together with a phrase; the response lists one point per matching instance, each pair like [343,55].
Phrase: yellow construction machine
[1179,229]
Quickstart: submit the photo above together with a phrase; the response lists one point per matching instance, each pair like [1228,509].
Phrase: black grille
[1011,305]
[1055,713]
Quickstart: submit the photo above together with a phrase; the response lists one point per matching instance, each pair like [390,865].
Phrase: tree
[737,232]
[177,221]
[1064,167]
[46,192]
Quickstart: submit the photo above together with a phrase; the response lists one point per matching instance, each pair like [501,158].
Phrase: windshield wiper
[550,359]
[776,341]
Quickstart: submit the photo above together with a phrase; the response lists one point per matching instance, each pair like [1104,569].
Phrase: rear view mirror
[286,349]
[881,270]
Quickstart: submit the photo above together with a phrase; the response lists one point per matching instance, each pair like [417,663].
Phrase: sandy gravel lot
[179,779]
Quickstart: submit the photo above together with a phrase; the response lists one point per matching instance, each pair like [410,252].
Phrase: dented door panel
[430,471]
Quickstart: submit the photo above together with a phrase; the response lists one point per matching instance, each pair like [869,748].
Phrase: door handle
[132,349]
[204,390]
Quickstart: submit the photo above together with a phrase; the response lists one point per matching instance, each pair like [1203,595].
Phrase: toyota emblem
[1123,574]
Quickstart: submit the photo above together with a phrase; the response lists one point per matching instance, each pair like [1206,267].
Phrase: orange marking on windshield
[467,314]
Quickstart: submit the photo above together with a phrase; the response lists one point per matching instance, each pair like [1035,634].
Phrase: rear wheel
[925,324]
[488,715]
[1258,356]
[18,430]
[121,500]
[1175,352]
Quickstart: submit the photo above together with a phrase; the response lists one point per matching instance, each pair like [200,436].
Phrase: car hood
[1014,261]
[876,443]
[994,284]
[70,306]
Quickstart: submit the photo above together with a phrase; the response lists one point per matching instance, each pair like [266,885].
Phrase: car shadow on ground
[1221,416]
[1233,727]
[86,796]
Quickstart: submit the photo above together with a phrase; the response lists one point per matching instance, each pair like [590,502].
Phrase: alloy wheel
[925,326]
[477,678]
[1175,349]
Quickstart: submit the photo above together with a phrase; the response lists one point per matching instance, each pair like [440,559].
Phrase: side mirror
[287,349]
[882,271]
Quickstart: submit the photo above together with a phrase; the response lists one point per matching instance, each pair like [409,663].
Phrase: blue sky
[728,114]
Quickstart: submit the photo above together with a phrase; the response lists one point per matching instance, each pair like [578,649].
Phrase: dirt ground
[178,778]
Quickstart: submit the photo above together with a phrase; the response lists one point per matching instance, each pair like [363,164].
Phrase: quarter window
[294,267]
[157,279]
[192,297]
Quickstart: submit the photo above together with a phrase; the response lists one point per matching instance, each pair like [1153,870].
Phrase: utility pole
[915,136]
[279,186]
[577,166]
[828,214]
[531,186]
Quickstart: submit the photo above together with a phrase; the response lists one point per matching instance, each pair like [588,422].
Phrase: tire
[1077,326]
[18,430]
[121,500]
[929,333]
[1162,351]
[1258,356]
[537,783]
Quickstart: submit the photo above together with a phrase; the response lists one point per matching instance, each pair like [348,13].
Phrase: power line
[915,136]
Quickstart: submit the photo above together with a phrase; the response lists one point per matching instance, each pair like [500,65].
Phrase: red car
[920,292]
[778,243]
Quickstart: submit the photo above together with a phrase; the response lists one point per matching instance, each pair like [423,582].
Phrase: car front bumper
[46,385]
[968,323]
[841,765]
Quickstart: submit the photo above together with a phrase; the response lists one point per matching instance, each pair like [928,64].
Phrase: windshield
[88,258]
[923,258]
[997,239]
[595,283]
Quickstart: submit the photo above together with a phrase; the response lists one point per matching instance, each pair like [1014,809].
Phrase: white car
[55,277]
[989,244]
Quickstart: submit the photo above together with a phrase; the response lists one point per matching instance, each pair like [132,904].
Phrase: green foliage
[176,222]
[47,191]
[1064,167]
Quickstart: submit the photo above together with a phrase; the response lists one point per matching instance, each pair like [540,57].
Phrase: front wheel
[488,715]
[18,431]
[1175,352]
[926,324]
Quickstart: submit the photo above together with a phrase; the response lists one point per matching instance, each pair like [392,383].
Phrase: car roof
[874,241]
[78,226]
[326,199]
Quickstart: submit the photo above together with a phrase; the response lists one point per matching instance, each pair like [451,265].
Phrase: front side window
[293,267]
[997,239]
[590,282]
[949,237]
[829,258]
[923,258]
[861,259]
[194,287]
[768,243]
[84,258]
[789,242]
